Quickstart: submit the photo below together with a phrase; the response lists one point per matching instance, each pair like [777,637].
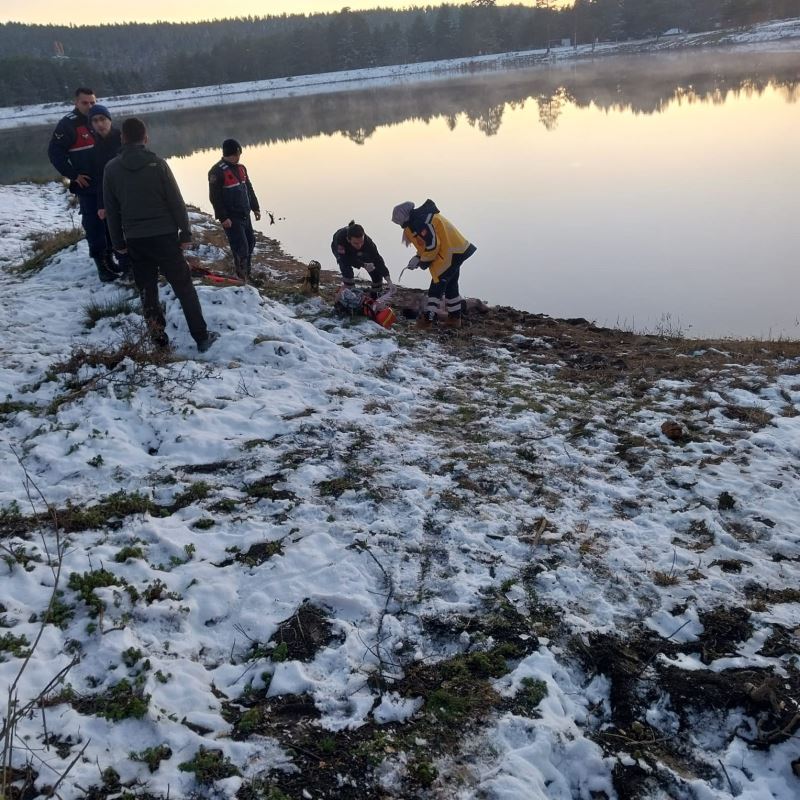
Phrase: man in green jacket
[147,219]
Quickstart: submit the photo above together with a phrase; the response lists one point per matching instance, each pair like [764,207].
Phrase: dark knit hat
[98,110]
[230,147]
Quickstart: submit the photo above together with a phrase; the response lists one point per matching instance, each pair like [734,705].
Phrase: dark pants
[96,228]
[152,254]
[447,286]
[242,241]
[348,275]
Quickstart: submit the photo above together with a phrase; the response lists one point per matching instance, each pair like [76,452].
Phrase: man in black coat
[147,219]
[107,144]
[71,152]
[233,198]
[353,249]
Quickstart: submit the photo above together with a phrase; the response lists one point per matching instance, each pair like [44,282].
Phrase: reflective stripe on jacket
[435,238]
[71,146]
[230,191]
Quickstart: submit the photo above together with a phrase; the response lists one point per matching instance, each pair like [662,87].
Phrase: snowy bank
[332,560]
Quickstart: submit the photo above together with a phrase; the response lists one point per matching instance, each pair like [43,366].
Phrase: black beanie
[230,147]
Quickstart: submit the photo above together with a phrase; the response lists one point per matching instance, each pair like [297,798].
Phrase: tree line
[43,63]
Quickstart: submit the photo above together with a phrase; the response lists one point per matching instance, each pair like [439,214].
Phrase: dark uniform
[147,216]
[349,259]
[232,196]
[71,152]
[106,148]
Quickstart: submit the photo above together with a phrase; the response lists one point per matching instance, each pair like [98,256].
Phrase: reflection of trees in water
[551,106]
[488,122]
[645,84]
[358,135]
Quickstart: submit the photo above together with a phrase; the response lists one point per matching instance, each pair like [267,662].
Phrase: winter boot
[452,321]
[111,264]
[210,338]
[239,268]
[105,275]
[160,339]
[157,335]
[424,322]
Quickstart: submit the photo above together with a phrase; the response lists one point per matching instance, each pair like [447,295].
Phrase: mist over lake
[654,192]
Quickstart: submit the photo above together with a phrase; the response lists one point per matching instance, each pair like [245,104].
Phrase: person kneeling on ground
[353,249]
[233,198]
[147,219]
[442,250]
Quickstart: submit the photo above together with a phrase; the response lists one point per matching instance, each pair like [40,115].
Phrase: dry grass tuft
[46,245]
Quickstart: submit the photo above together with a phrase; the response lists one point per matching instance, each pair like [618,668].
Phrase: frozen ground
[328,560]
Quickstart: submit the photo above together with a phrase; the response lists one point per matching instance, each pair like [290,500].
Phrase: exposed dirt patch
[304,633]
[256,554]
[643,677]
[264,488]
[782,642]
[769,596]
[723,630]
[208,469]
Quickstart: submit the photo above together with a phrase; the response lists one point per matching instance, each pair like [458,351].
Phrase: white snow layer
[432,514]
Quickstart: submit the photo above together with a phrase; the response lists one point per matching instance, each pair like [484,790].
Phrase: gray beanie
[402,212]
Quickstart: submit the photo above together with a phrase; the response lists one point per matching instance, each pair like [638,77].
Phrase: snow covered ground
[775,34]
[515,584]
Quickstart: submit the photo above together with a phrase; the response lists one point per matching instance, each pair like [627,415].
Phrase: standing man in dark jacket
[148,220]
[107,144]
[353,249]
[71,152]
[233,198]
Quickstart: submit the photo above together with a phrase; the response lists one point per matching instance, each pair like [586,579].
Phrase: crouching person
[147,219]
[442,250]
[353,249]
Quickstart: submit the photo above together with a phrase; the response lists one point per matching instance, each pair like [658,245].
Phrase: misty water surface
[656,192]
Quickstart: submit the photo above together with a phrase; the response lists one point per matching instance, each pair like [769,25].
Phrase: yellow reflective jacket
[435,238]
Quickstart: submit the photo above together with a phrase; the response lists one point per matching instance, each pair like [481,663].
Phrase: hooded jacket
[142,198]
[435,239]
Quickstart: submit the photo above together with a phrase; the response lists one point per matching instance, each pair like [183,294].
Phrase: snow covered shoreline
[780,34]
[336,561]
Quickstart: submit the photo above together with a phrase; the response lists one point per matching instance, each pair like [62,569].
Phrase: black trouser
[447,286]
[242,240]
[346,267]
[96,229]
[152,254]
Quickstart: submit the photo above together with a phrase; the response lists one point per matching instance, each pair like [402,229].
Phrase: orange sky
[89,12]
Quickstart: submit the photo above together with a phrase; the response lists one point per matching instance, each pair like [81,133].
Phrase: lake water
[653,193]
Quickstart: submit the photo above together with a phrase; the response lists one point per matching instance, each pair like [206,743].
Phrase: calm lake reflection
[650,192]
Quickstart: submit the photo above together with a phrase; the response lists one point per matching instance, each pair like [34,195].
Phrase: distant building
[566,42]
[674,32]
